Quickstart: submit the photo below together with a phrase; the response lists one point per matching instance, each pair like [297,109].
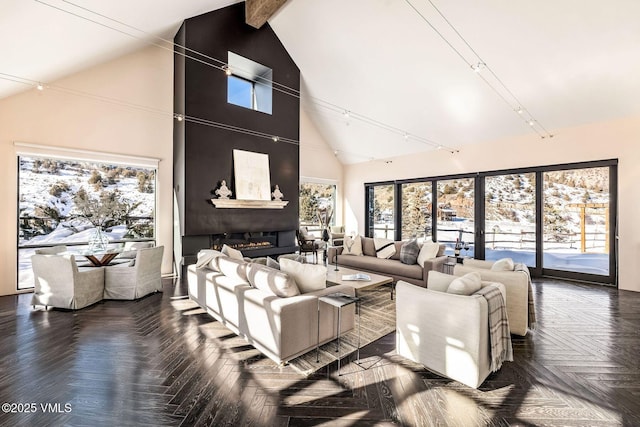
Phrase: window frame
[479,203]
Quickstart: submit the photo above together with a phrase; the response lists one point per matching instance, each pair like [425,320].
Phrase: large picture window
[62,201]
[314,195]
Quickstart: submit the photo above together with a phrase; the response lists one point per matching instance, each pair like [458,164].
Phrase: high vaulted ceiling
[382,78]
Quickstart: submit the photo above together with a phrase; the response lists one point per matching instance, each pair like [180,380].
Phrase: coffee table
[335,278]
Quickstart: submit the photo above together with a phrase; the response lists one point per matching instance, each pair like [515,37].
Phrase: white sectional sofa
[282,328]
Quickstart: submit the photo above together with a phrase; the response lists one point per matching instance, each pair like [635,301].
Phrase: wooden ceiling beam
[257,12]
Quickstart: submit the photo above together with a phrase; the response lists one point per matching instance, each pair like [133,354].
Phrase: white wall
[614,139]
[317,160]
[60,119]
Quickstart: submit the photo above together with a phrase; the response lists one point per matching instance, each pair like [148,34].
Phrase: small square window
[249,84]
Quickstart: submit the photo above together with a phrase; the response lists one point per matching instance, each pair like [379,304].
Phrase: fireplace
[257,244]
[251,244]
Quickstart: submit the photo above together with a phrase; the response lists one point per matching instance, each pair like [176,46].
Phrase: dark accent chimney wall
[203,155]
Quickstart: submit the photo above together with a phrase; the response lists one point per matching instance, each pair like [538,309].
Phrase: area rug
[377,319]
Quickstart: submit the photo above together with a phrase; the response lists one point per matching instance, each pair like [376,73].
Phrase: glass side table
[338,300]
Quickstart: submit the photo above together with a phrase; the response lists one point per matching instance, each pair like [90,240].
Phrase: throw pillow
[384,247]
[465,285]
[429,250]
[232,253]
[308,277]
[272,281]
[352,245]
[409,252]
[233,268]
[272,263]
[368,247]
[504,264]
[208,258]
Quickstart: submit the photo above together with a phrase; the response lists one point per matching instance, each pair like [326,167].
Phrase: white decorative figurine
[277,195]
[223,192]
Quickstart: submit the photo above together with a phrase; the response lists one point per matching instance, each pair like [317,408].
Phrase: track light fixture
[478,67]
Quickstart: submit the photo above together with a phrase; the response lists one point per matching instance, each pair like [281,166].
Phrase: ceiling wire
[144,108]
[519,108]
[280,87]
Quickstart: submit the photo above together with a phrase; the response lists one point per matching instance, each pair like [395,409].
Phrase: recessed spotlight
[479,67]
[40,86]
[531,122]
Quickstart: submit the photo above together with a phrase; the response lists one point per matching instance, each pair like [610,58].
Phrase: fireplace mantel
[249,204]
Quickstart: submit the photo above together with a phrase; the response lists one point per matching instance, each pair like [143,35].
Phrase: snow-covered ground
[35,185]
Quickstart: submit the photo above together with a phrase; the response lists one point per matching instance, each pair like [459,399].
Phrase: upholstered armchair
[59,283]
[336,237]
[136,279]
[516,284]
[308,243]
[445,332]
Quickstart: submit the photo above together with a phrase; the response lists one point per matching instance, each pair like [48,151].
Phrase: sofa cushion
[368,247]
[504,264]
[233,268]
[232,253]
[308,277]
[468,284]
[272,281]
[382,266]
[409,252]
[272,263]
[428,250]
[208,258]
[352,245]
[384,247]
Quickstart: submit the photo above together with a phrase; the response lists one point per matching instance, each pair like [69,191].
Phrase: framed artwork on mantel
[252,177]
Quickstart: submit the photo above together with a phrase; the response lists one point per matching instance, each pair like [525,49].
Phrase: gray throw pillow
[409,252]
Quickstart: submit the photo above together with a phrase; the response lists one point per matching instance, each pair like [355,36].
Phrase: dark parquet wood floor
[153,362]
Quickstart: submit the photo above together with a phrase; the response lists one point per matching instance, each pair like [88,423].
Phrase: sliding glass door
[455,220]
[381,211]
[576,221]
[416,210]
[510,217]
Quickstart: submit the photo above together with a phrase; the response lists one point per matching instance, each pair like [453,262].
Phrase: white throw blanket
[499,333]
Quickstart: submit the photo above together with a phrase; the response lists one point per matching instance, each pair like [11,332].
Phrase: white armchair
[124,281]
[59,283]
[447,333]
[516,284]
